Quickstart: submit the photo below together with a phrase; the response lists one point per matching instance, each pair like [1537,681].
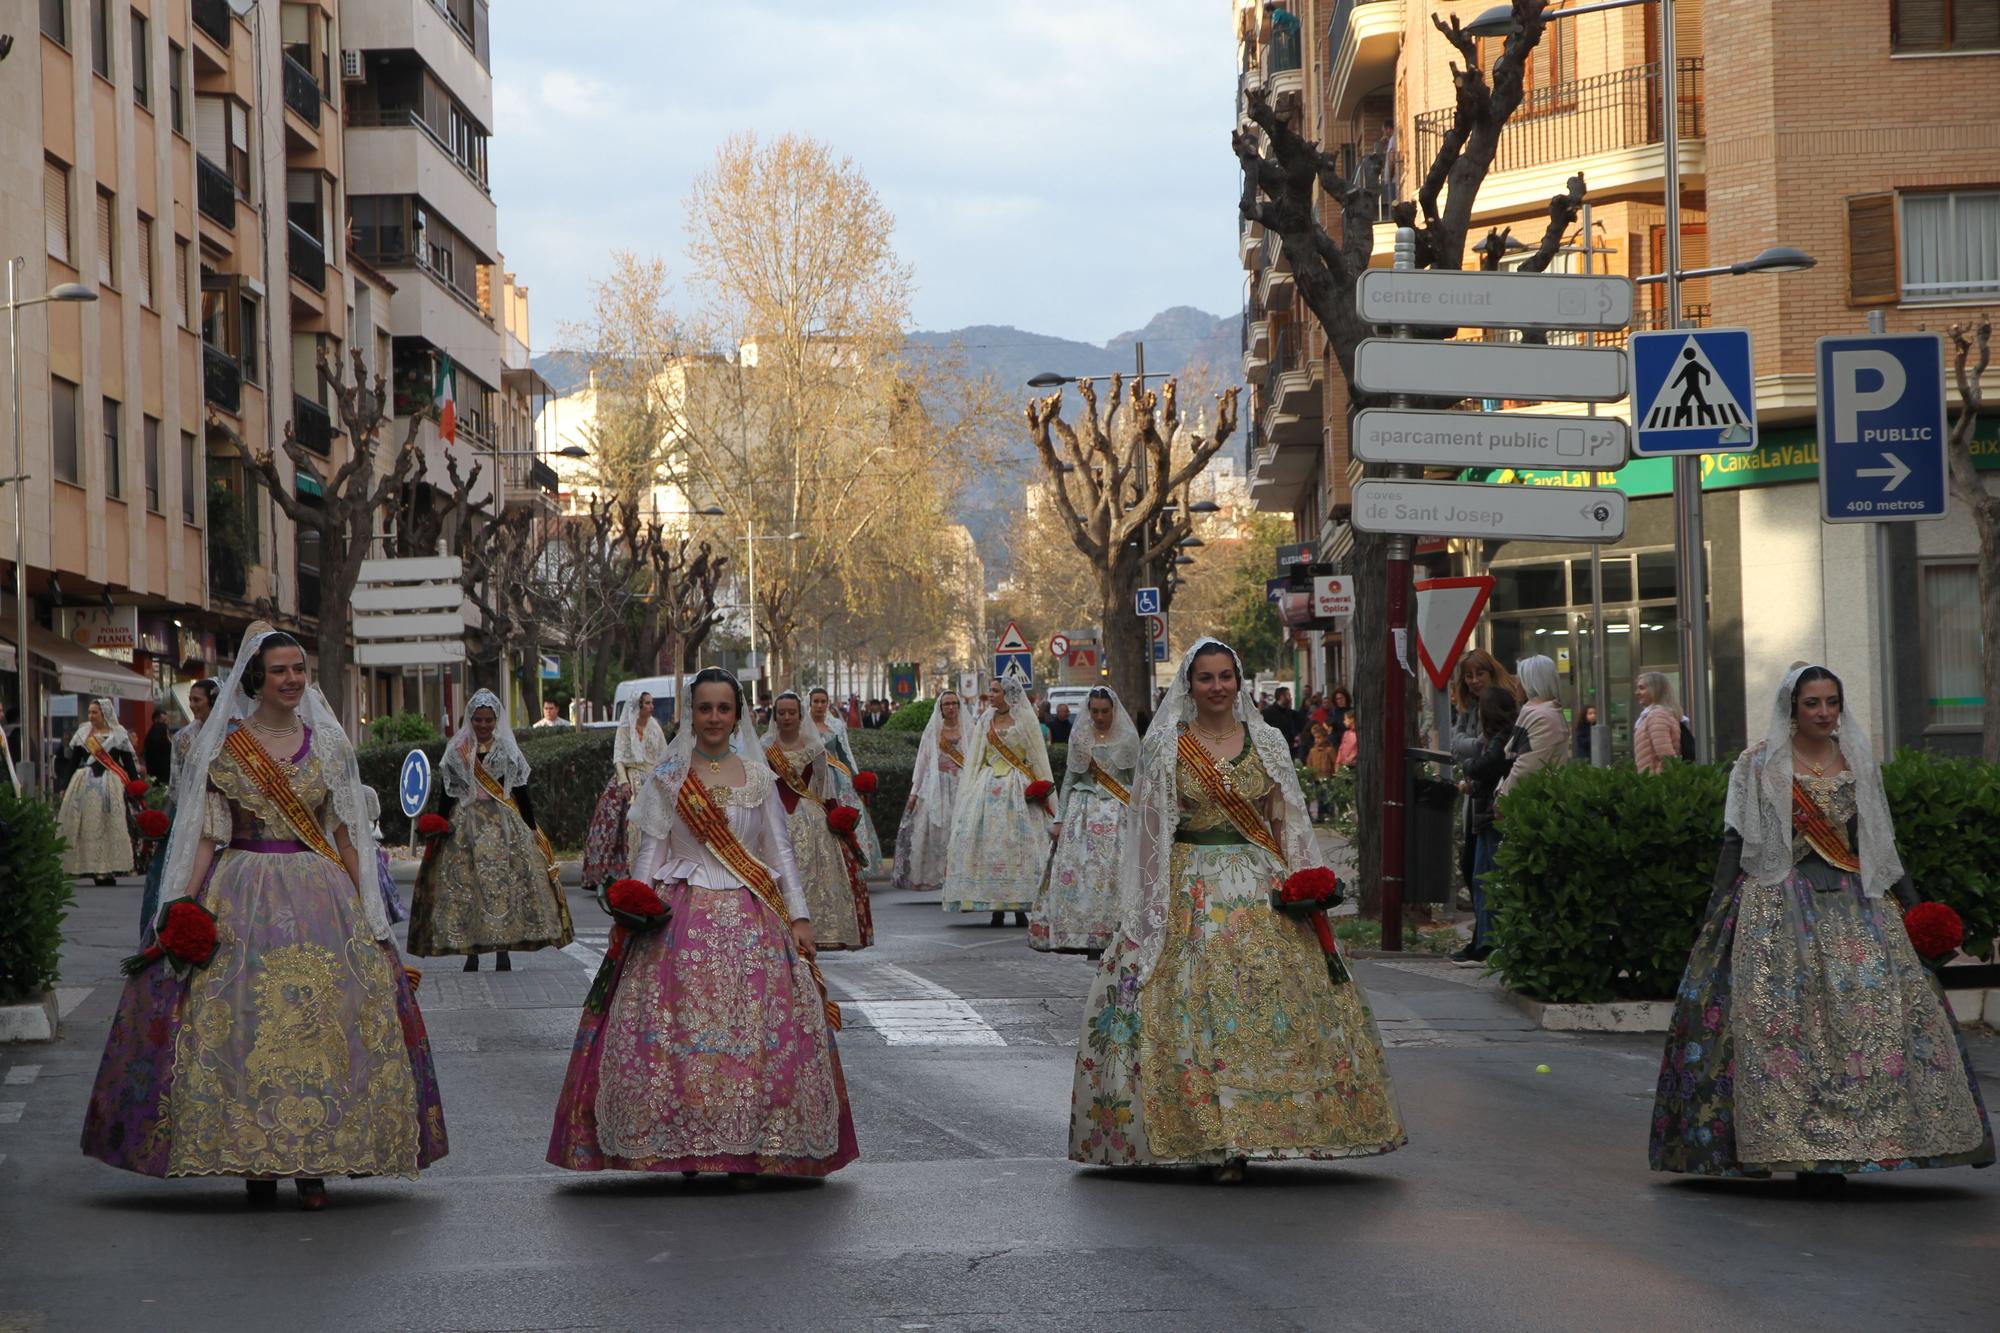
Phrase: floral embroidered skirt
[1807,1036]
[704,1047]
[1238,1045]
[298,1052]
[1078,909]
[608,845]
[922,843]
[835,895]
[93,823]
[998,847]
[486,886]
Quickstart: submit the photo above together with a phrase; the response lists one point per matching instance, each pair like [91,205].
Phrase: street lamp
[64,292]
[1777,259]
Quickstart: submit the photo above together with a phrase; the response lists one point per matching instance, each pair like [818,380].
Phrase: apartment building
[1866,135]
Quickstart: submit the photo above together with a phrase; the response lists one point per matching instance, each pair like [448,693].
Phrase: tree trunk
[1131,670]
[340,570]
[1986,516]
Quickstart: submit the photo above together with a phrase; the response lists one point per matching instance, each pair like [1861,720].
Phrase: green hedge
[1603,873]
[35,896]
[913,716]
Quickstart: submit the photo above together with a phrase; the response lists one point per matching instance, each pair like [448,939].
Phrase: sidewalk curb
[1620,1016]
[35,1020]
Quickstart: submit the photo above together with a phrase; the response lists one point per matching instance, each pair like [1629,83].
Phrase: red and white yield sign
[1447,609]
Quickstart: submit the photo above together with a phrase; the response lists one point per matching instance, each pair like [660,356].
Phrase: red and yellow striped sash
[97,751]
[781,764]
[707,821]
[1223,792]
[1104,779]
[951,752]
[491,786]
[1000,747]
[1826,839]
[263,770]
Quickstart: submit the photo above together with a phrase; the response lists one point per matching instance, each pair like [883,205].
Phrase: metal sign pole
[1600,670]
[1394,694]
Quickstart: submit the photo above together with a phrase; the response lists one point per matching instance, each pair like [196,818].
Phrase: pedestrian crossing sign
[1693,392]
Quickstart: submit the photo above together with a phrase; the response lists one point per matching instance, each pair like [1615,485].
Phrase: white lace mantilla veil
[627,746]
[1024,731]
[1145,859]
[1760,799]
[119,739]
[504,761]
[812,746]
[336,756]
[926,779]
[653,806]
[1121,751]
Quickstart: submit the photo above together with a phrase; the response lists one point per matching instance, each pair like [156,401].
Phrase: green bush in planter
[1947,816]
[1601,878]
[913,716]
[568,773]
[35,896]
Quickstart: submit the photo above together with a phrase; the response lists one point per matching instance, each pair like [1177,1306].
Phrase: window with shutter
[100,37]
[63,429]
[114,462]
[107,236]
[1871,249]
[211,130]
[177,86]
[146,261]
[188,491]
[1950,245]
[55,209]
[152,464]
[142,60]
[55,21]
[239,146]
[1944,25]
[182,280]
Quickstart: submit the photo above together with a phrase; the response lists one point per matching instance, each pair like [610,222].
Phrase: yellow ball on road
[1541,1069]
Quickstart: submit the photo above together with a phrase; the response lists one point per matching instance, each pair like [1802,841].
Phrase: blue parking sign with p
[1882,428]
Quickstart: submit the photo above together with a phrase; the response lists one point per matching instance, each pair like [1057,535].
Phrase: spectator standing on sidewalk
[1541,718]
[1656,736]
[1501,742]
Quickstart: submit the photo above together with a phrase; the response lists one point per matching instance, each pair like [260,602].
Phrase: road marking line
[10,1112]
[23,1073]
[583,953]
[908,1010]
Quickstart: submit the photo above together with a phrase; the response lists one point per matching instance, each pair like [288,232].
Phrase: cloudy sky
[1059,165]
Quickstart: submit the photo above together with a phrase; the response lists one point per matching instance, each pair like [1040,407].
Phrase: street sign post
[1693,392]
[1159,638]
[1146,602]
[1021,666]
[1882,428]
[1333,596]
[1490,370]
[1447,610]
[1495,300]
[1058,645]
[1490,439]
[413,786]
[1275,590]
[1468,509]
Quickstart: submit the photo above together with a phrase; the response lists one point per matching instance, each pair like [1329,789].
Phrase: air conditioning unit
[350,67]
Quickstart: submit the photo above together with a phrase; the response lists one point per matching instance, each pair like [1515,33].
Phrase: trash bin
[1429,850]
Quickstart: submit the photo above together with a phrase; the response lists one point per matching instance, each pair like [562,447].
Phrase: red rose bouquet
[1039,793]
[432,826]
[1310,894]
[843,820]
[635,904]
[186,940]
[137,789]
[1935,931]
[153,824]
[865,783]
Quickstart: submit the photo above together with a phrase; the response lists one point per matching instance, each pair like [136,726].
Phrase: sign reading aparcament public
[1468,509]
[1495,300]
[1489,439]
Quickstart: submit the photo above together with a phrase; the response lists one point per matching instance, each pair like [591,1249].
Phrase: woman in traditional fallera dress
[637,747]
[999,839]
[706,1044]
[1807,1034]
[1079,903]
[201,698]
[490,885]
[840,758]
[1217,1031]
[298,1052]
[924,837]
[836,899]
[93,818]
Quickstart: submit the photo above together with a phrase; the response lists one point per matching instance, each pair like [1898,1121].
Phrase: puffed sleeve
[216,825]
[651,851]
[778,855]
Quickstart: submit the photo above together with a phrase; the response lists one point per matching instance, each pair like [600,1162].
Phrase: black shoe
[503,963]
[999,919]
[261,1192]
[472,962]
[1020,918]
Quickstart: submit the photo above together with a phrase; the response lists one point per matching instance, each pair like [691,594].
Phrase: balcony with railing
[221,378]
[305,257]
[212,17]
[215,193]
[1284,79]
[312,425]
[1362,39]
[412,118]
[1560,123]
[301,92]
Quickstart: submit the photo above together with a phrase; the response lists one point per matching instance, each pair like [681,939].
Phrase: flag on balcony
[443,394]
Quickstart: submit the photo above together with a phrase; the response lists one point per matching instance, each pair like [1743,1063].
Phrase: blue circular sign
[414,787]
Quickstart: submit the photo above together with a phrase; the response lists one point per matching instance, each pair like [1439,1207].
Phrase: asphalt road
[1522,1202]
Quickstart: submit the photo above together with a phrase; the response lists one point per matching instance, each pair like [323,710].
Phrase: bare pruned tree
[1112,474]
[344,520]
[1972,353]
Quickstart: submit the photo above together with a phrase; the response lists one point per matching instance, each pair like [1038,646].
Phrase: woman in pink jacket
[1656,736]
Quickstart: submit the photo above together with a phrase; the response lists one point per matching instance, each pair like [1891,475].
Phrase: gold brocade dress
[1239,1044]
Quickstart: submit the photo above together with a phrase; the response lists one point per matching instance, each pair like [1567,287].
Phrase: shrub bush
[405,729]
[892,757]
[35,896]
[1603,873]
[912,716]
[569,770]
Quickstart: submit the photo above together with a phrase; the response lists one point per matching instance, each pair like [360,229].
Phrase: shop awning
[77,669]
